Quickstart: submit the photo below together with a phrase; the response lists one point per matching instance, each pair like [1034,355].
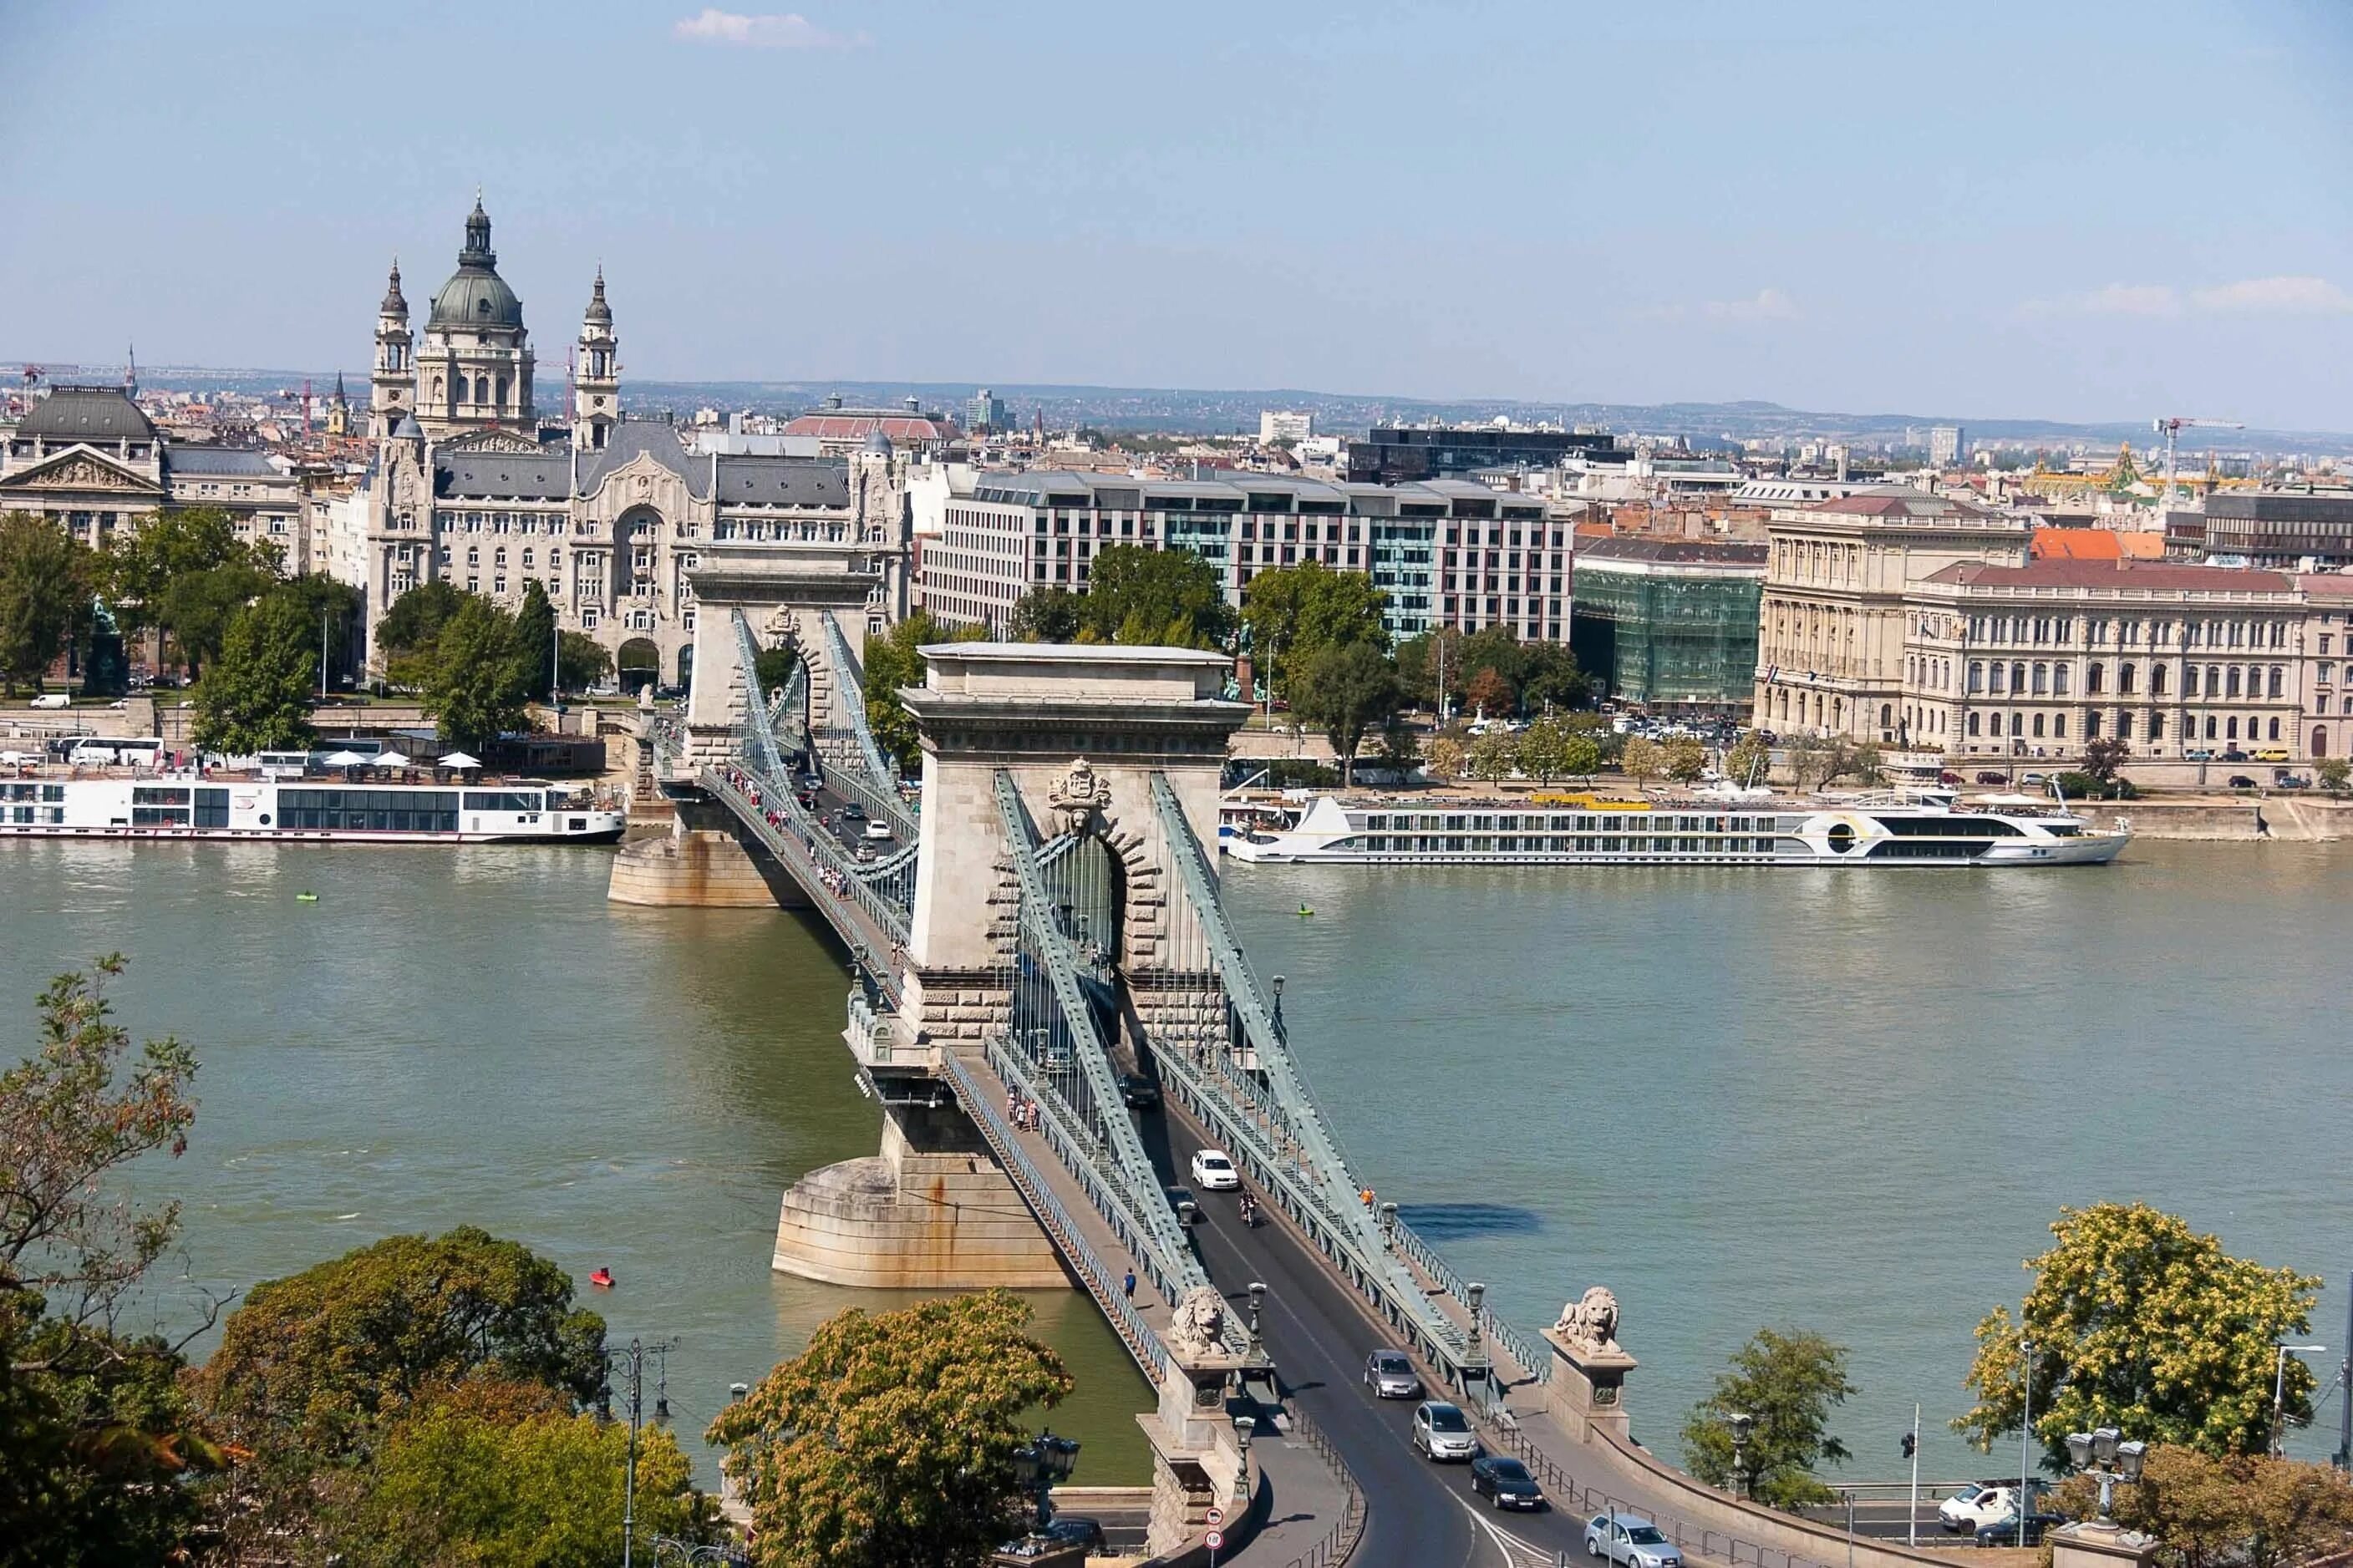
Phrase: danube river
[1844,1102]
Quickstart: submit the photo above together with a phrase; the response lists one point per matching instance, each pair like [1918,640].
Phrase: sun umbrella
[343,759]
[390,760]
[460,760]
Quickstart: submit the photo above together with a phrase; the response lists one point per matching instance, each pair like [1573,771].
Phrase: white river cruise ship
[306,811]
[1923,828]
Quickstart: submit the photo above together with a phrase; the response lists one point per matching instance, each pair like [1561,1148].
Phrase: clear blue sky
[2071,210]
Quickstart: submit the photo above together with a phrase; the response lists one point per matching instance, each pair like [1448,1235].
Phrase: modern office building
[984,411]
[2282,529]
[1947,444]
[1403,454]
[1669,624]
[1449,551]
[1284,425]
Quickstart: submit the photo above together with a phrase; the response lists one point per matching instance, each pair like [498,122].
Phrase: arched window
[2059,682]
[2096,678]
[503,391]
[2092,725]
[1976,676]
[2124,725]
[2059,725]
[2041,678]
[2232,677]
[1973,724]
[2018,724]
[2017,676]
[2278,675]
[2319,742]
[2210,726]
[437,388]
[2270,729]
[2231,730]
[2037,726]
[2125,679]
[1886,714]
[2157,680]
[2157,726]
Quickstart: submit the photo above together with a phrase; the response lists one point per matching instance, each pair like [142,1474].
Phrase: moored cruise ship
[184,806]
[1931,829]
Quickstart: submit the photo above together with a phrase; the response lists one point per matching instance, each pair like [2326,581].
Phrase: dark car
[2003,1532]
[1990,778]
[1138,1093]
[1064,1529]
[1507,1481]
[853,812]
[2241,781]
[2235,755]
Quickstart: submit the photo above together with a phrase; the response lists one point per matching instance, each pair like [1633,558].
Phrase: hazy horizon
[2088,215]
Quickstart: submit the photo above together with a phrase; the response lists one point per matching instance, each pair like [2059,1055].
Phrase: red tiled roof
[858,427]
[2161,576]
[2075,544]
[2326,585]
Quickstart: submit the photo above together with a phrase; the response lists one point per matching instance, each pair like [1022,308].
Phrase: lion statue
[1197,1324]
[1591,1321]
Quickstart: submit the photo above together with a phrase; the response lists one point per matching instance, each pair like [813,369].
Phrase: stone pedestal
[932,1212]
[1195,1456]
[1072,1555]
[2092,1545]
[1588,1385]
[688,869]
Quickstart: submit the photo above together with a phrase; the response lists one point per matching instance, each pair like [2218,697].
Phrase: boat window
[502,800]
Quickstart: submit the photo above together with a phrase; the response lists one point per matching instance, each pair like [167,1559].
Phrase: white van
[52,699]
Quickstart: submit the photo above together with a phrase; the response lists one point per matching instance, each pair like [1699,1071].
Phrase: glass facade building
[1670,623]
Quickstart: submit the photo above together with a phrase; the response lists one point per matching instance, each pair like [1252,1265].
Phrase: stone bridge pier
[783,592]
[933,1209]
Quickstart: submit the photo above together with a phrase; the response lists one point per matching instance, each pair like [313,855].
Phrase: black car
[1062,1529]
[2241,781]
[853,812]
[1138,1093]
[1504,1478]
[2002,1532]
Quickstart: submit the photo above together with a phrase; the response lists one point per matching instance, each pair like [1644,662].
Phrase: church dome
[476,296]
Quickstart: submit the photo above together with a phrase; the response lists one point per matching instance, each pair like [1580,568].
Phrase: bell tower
[597,384]
[392,392]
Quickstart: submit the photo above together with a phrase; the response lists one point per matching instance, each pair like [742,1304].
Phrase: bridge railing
[1142,1341]
[1531,1354]
[1339,1543]
[1235,1066]
[821,873]
[1568,1495]
[859,767]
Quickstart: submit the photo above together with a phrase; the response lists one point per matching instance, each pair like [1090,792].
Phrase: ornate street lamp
[1243,1425]
[2102,1455]
[1039,1466]
[1741,1425]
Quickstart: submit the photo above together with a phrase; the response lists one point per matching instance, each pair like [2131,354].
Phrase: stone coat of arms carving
[1081,797]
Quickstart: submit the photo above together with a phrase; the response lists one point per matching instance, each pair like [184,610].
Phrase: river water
[1843,1101]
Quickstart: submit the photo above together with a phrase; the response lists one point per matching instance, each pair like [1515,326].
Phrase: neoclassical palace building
[608,514]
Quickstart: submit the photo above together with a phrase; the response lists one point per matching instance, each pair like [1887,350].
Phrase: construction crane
[2170,426]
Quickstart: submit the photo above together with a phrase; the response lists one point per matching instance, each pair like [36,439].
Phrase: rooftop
[1675,552]
[86,414]
[2129,576]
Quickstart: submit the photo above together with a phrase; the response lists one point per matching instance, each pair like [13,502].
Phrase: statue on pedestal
[1589,1323]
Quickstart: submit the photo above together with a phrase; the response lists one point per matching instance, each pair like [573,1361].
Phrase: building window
[1973,724]
[2273,689]
[2092,725]
[2125,679]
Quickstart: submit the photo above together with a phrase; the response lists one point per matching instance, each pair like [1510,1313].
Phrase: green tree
[584,662]
[2139,1323]
[477,688]
[1550,676]
[1642,759]
[1489,694]
[256,696]
[1686,760]
[1349,689]
[1543,749]
[450,1485]
[889,1440]
[2246,1512]
[773,669]
[1750,761]
[1444,757]
[1492,648]
[97,1440]
[329,605]
[1294,613]
[1049,615]
[196,607]
[413,625]
[1494,756]
[1861,761]
[44,592]
[1811,761]
[1580,755]
[534,640]
[1400,747]
[1419,660]
[321,1359]
[894,661]
[2334,773]
[187,573]
[1789,1383]
[1168,597]
[2103,756]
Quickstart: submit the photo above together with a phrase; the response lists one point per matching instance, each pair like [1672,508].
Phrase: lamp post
[632,1361]
[1742,1424]
[1257,1302]
[2101,1454]
[2279,1393]
[1243,1425]
[1040,1464]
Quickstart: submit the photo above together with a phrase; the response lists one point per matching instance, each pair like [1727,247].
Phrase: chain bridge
[1037,940]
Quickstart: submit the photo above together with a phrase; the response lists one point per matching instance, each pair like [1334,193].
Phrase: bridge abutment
[702,863]
[930,1212]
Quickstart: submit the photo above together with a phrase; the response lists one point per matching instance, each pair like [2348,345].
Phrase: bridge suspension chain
[1056,1040]
[862,766]
[1230,1057]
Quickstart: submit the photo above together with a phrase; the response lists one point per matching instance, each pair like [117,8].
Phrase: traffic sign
[1215,1539]
[1216,1517]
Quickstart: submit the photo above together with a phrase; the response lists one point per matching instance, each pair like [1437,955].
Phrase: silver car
[1631,1540]
[1440,1431]
[1391,1376]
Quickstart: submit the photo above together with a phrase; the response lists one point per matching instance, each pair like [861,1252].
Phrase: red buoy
[601,1279]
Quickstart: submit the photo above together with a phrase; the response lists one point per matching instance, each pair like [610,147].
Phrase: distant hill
[1212,412]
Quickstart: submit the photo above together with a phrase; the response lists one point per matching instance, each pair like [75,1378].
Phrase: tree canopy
[889,1440]
[45,587]
[414,623]
[2242,1510]
[896,661]
[2139,1323]
[1049,615]
[186,572]
[1789,1382]
[1294,613]
[256,696]
[478,686]
[1350,689]
[534,641]
[1170,598]
[321,1357]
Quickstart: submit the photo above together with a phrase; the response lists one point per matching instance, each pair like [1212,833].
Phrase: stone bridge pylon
[787,599]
